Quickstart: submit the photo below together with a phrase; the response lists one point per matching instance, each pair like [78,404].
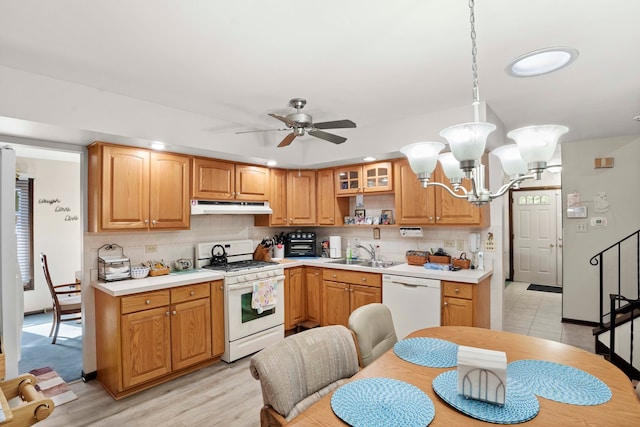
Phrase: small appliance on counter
[112,263]
[300,244]
[335,247]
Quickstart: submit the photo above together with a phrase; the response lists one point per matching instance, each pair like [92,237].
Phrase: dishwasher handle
[410,285]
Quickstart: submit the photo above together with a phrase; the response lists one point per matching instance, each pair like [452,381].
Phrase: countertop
[134,286]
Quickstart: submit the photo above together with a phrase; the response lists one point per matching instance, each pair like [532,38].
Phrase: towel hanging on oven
[264,295]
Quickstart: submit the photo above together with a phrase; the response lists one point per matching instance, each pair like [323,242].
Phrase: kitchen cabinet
[343,291]
[466,304]
[331,209]
[219,180]
[292,199]
[136,189]
[416,205]
[148,338]
[313,287]
[367,178]
[217,318]
[295,298]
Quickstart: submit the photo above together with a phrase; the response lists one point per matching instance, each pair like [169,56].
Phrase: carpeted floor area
[64,357]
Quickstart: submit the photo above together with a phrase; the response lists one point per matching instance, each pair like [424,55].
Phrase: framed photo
[387,217]
[360,213]
[368,220]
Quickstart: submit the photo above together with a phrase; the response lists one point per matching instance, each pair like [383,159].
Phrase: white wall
[57,227]
[620,183]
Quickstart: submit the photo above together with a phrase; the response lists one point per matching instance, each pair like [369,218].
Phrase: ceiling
[192,73]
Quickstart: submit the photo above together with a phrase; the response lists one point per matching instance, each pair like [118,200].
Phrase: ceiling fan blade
[327,136]
[263,130]
[337,124]
[289,123]
[287,140]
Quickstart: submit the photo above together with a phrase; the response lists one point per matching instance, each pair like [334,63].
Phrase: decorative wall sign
[58,207]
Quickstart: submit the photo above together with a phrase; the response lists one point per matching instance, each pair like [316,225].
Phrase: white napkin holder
[482,374]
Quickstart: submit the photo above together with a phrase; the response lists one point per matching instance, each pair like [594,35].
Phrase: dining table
[622,409]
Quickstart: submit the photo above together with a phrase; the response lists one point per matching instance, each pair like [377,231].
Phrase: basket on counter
[440,259]
[417,257]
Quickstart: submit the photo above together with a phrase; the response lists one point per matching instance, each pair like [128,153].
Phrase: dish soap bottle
[348,254]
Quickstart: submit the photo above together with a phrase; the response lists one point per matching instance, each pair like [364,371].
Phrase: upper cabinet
[218,180]
[331,210]
[292,198]
[137,189]
[368,178]
[416,205]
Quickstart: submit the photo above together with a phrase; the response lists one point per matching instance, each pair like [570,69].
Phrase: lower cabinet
[148,338]
[294,298]
[217,318]
[313,287]
[466,304]
[343,291]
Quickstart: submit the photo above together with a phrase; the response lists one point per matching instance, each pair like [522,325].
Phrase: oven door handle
[249,285]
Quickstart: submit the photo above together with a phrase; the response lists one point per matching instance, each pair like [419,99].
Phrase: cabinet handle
[431,219]
[221,287]
[317,274]
[551,245]
[174,312]
[192,293]
[346,289]
[148,302]
[153,222]
[334,276]
[146,221]
[167,314]
[457,291]
[437,218]
[445,303]
[364,279]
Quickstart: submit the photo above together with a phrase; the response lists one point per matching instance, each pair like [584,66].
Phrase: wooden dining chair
[373,327]
[66,300]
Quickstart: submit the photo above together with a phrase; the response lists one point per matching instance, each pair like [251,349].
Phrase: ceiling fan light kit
[526,159]
[300,123]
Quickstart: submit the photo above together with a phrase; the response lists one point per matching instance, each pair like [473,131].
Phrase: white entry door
[537,247]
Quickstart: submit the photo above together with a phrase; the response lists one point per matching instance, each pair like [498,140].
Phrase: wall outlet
[581,227]
[489,245]
[150,248]
[449,243]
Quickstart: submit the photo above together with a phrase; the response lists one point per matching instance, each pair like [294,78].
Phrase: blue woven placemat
[520,403]
[430,352]
[382,402]
[559,382]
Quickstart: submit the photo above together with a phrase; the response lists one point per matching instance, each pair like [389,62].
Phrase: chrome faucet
[370,250]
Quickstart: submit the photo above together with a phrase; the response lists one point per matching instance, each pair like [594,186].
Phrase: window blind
[24,230]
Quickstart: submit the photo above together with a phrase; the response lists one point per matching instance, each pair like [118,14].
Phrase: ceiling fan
[301,123]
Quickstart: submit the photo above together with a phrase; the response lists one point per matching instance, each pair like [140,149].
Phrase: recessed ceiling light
[542,61]
[369,159]
[272,163]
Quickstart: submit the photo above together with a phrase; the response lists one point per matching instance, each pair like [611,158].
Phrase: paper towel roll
[335,246]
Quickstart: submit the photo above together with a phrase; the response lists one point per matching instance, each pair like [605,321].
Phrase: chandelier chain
[474,51]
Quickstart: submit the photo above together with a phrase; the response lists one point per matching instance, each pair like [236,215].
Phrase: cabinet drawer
[458,290]
[145,301]
[190,292]
[356,277]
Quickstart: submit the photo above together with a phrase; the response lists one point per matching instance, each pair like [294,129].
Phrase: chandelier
[526,159]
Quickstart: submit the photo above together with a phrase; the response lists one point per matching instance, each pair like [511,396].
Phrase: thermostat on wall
[411,231]
[598,221]
[577,212]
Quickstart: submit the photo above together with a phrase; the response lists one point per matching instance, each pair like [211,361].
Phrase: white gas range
[247,329]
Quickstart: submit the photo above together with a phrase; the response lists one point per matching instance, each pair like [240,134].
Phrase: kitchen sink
[365,263]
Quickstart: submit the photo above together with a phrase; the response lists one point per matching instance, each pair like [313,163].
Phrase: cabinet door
[125,188]
[146,346]
[252,183]
[414,204]
[326,198]
[295,300]
[451,210]
[301,197]
[213,180]
[169,191]
[313,282]
[190,333]
[335,303]
[217,318]
[348,180]
[363,295]
[278,197]
[377,177]
[457,312]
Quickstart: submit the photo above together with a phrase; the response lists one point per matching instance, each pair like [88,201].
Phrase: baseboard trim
[580,322]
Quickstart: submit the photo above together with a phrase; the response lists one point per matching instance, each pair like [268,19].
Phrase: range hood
[228,207]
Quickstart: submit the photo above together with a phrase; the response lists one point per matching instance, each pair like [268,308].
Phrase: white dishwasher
[414,302]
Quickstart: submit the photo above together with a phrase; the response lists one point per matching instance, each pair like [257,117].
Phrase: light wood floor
[219,395]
